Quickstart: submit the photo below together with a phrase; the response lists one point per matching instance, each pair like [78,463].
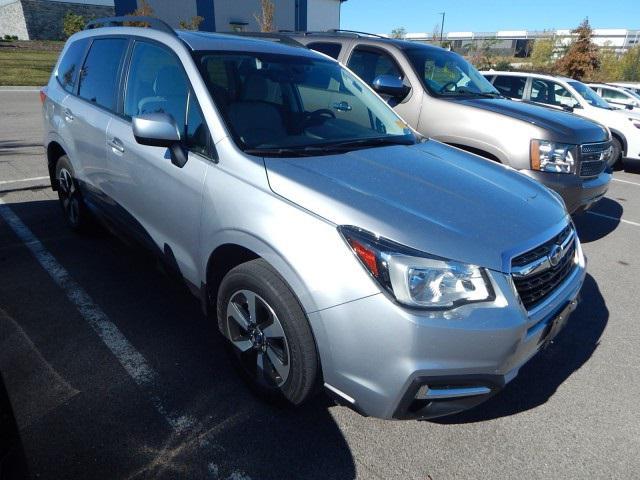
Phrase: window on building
[69,67]
[328,48]
[99,76]
[510,86]
[368,64]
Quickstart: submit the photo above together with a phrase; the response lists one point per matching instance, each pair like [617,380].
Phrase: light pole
[442,27]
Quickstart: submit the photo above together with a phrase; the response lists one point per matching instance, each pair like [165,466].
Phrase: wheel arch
[54,151]
[621,138]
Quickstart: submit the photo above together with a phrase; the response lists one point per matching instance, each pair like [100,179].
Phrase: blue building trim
[124,7]
[206,10]
[301,17]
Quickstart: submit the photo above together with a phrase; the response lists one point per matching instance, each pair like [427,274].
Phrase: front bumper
[578,193]
[387,361]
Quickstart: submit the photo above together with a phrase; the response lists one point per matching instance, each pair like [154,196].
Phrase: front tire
[616,157]
[75,211]
[269,335]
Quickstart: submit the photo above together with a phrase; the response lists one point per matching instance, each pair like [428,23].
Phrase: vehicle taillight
[43,94]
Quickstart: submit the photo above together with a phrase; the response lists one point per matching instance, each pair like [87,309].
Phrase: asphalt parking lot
[113,371]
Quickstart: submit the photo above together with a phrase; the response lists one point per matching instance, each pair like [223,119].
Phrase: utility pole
[442,27]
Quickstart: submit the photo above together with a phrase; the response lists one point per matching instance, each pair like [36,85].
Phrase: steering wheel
[449,87]
[317,116]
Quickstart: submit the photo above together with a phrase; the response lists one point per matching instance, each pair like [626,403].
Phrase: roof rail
[356,32]
[154,23]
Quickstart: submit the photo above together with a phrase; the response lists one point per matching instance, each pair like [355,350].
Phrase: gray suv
[444,97]
[332,246]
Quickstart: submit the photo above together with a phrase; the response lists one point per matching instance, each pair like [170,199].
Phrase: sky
[382,16]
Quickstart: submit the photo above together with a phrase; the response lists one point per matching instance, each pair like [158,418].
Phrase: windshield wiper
[366,142]
[466,91]
[311,150]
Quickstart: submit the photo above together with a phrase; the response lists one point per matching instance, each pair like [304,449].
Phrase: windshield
[447,74]
[589,95]
[285,104]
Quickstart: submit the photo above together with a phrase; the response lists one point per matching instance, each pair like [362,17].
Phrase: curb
[18,88]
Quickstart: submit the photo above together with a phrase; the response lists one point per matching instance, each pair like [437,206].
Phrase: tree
[193,24]
[581,59]
[265,19]
[610,67]
[398,32]
[144,10]
[630,65]
[72,23]
[542,54]
[482,56]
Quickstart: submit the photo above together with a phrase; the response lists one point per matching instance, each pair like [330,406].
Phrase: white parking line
[21,180]
[132,360]
[626,181]
[628,222]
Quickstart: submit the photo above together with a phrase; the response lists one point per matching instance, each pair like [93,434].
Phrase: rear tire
[74,209]
[268,333]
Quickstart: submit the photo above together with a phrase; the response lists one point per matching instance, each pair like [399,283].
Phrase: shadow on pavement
[592,227]
[12,461]
[539,379]
[235,436]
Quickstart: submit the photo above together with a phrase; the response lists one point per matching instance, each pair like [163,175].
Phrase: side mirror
[628,106]
[390,85]
[160,130]
[567,108]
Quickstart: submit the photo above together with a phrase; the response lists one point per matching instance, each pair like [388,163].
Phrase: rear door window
[369,64]
[70,64]
[328,48]
[551,93]
[100,72]
[510,86]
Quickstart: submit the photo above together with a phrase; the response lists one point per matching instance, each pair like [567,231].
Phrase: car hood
[430,197]
[576,129]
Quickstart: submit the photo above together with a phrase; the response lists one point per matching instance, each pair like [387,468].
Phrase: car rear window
[99,78]
[69,67]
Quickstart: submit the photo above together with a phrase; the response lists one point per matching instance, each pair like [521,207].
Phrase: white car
[633,86]
[618,97]
[573,96]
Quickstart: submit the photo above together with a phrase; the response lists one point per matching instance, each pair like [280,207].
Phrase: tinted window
[331,49]
[99,76]
[156,83]
[511,87]
[70,64]
[551,93]
[368,64]
[197,134]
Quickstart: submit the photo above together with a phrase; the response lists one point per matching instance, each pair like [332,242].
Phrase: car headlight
[415,278]
[551,156]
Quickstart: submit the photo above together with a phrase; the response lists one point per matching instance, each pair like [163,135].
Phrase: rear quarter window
[328,48]
[70,63]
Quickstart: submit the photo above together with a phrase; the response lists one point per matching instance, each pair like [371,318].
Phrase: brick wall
[44,18]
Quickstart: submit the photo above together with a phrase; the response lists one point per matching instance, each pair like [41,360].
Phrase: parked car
[633,86]
[332,245]
[573,96]
[617,97]
[444,97]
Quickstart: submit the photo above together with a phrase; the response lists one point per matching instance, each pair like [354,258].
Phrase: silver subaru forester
[333,245]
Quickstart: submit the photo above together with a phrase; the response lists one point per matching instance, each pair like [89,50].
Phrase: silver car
[333,246]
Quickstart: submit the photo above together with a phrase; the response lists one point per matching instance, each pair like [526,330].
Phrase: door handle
[116,144]
[68,116]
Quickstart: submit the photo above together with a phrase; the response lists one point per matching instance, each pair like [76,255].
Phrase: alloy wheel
[68,197]
[258,338]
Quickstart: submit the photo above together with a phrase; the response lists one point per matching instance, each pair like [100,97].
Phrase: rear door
[159,201]
[89,112]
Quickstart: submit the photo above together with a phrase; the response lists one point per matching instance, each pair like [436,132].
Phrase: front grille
[535,287]
[593,159]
